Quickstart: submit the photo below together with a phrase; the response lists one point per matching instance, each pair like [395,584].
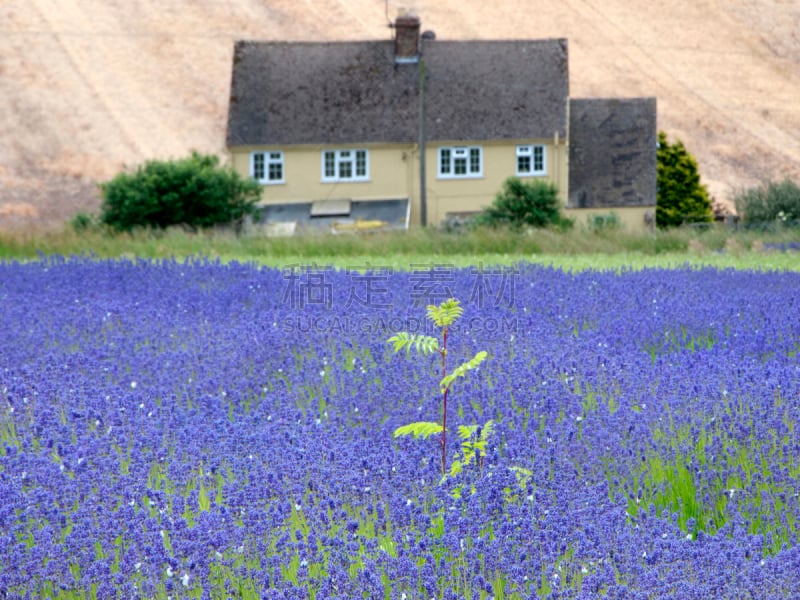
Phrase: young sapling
[443,316]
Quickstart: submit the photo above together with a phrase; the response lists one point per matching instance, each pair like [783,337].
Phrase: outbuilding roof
[612,152]
[286,93]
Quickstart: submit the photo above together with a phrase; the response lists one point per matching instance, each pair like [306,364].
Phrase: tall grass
[578,248]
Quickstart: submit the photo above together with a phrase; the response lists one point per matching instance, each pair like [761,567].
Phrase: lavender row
[207,430]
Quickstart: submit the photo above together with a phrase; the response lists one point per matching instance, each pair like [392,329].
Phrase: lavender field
[174,430]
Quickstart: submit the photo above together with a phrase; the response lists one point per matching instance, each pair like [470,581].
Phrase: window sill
[345,181]
[457,177]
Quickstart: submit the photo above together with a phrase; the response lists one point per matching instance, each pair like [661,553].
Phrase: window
[267,167]
[460,162]
[345,165]
[530,160]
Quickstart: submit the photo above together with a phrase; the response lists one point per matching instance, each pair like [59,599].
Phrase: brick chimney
[406,38]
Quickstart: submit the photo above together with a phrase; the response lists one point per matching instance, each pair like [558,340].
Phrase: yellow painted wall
[389,175]
[499,163]
[394,173]
[631,218]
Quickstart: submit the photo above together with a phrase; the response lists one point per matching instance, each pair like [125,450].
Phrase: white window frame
[342,159]
[267,159]
[530,152]
[451,156]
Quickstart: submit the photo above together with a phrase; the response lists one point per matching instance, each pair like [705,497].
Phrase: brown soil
[88,87]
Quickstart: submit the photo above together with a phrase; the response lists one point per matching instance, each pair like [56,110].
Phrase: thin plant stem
[444,402]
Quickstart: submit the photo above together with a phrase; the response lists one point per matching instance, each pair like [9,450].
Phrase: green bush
[82,222]
[681,197]
[193,191]
[521,204]
[769,205]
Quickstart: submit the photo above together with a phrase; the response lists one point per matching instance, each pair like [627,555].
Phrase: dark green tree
[520,204]
[681,197]
[194,191]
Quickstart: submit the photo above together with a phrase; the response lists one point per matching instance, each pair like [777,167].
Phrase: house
[414,130]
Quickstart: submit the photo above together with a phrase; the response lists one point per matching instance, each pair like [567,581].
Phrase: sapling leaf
[468,452]
[461,370]
[486,430]
[479,447]
[465,431]
[423,429]
[421,343]
[425,344]
[446,313]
